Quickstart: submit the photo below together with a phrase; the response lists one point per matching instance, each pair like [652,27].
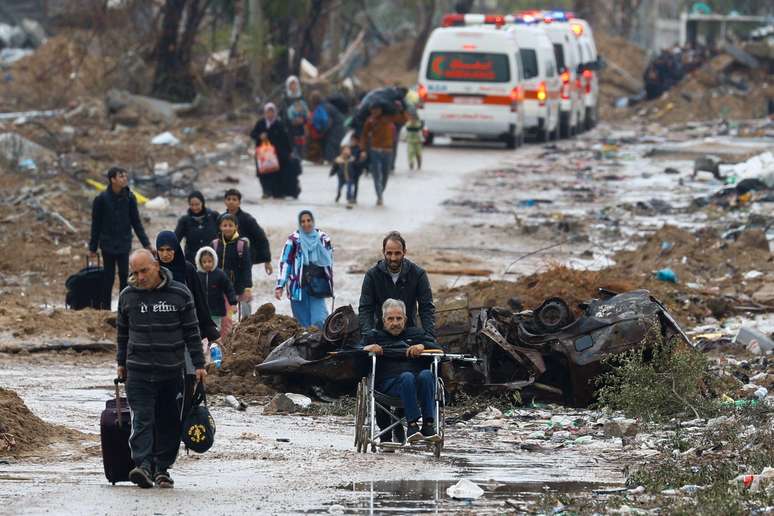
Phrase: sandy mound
[27,321]
[710,274]
[247,346]
[20,429]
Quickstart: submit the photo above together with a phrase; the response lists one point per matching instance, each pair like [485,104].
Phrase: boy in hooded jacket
[233,252]
[217,286]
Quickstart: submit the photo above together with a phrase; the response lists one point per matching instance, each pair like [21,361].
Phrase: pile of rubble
[248,345]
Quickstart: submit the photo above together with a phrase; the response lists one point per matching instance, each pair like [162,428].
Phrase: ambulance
[471,81]
[542,83]
[591,64]
[567,51]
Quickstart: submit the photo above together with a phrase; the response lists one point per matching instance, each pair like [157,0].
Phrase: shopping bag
[266,158]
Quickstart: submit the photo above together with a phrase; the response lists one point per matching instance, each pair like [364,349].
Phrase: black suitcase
[115,426]
[84,288]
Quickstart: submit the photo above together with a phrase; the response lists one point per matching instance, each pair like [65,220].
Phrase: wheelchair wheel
[358,422]
[361,419]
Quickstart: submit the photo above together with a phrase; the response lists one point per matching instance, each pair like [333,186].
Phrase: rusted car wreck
[549,352]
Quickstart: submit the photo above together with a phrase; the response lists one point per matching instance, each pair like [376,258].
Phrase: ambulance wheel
[511,142]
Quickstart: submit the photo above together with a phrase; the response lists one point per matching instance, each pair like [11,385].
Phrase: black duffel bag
[316,281]
[198,426]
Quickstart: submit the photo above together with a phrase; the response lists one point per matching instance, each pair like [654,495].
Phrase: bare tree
[425,12]
[173,79]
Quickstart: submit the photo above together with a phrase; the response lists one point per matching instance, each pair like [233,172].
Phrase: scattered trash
[761,393]
[165,138]
[336,509]
[157,203]
[667,275]
[755,482]
[584,439]
[464,490]
[234,403]
[752,275]
[216,355]
[691,489]
[755,341]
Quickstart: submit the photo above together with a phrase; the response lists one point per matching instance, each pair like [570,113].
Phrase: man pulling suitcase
[156,320]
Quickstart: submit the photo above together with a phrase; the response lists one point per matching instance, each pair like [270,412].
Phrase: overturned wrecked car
[548,353]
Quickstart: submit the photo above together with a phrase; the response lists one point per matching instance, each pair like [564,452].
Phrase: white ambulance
[591,64]
[470,81]
[567,52]
[542,84]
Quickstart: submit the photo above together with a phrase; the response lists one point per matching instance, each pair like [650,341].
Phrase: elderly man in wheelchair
[402,372]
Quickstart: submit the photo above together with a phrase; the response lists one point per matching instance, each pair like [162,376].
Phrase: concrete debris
[755,341]
[286,403]
[16,148]
[621,428]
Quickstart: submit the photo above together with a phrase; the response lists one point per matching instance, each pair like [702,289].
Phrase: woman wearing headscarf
[271,129]
[171,257]
[198,227]
[306,272]
[296,112]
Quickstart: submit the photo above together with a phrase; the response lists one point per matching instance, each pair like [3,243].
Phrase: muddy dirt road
[463,210]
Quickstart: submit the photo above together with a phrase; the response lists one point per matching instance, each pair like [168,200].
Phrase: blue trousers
[380,169]
[310,311]
[409,387]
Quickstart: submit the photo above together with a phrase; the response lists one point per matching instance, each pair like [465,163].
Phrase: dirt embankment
[21,431]
[711,276]
[247,346]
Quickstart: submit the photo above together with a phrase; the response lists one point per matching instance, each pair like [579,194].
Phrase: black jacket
[413,288]
[259,244]
[155,327]
[207,327]
[278,137]
[197,230]
[237,266]
[394,361]
[218,288]
[113,216]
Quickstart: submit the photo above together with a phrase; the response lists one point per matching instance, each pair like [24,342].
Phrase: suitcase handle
[116,382]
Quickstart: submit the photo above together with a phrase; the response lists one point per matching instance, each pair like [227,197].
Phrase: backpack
[320,119]
[240,246]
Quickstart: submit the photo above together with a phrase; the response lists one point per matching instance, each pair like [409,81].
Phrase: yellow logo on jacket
[197,433]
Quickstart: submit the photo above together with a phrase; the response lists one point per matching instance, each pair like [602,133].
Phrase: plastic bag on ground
[465,490]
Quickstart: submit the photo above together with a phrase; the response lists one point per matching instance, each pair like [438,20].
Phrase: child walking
[217,286]
[414,140]
[344,168]
[233,254]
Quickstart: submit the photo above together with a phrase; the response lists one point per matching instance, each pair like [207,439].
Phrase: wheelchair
[369,401]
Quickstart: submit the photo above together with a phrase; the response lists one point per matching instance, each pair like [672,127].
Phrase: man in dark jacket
[402,372]
[156,322]
[114,214]
[248,227]
[397,278]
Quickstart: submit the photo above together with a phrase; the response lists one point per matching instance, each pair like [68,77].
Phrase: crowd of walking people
[182,296]
[354,138]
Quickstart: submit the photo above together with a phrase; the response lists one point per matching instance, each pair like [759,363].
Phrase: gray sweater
[154,328]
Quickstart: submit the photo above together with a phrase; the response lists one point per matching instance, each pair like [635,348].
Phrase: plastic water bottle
[216,354]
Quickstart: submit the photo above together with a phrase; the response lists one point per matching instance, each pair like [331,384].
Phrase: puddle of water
[429,496]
